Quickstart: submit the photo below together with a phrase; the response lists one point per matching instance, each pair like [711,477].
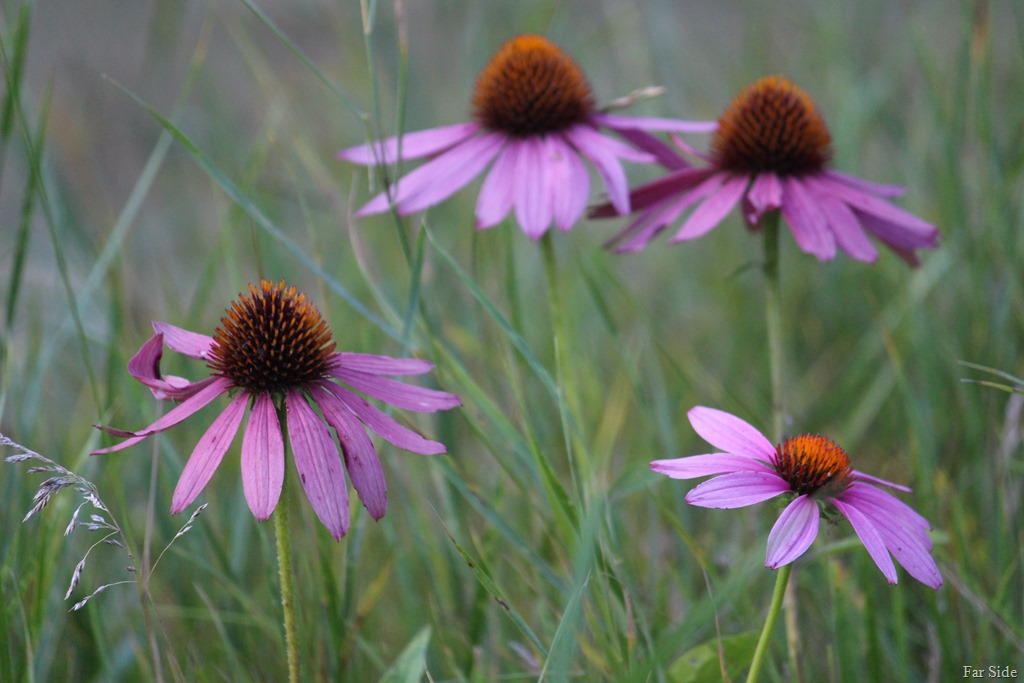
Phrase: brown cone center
[810,463]
[271,340]
[772,126]
[531,87]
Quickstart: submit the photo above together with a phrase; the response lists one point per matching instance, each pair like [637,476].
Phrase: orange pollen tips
[271,340]
[810,463]
[531,87]
[772,126]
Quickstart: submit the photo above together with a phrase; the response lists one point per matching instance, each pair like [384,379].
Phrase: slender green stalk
[781,581]
[284,570]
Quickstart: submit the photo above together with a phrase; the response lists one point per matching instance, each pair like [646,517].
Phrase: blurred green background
[107,223]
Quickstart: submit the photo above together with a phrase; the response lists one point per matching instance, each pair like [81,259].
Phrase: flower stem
[773,313]
[781,581]
[284,568]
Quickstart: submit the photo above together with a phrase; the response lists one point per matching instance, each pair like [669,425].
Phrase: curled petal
[145,367]
[191,344]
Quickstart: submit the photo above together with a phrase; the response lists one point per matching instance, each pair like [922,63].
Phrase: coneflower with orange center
[816,473]
[276,354]
[534,123]
[771,152]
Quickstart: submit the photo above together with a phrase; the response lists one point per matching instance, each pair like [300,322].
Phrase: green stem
[773,313]
[284,568]
[781,581]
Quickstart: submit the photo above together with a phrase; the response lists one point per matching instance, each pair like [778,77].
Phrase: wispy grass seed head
[275,354]
[534,124]
[815,472]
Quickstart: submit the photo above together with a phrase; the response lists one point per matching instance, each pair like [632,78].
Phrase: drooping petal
[765,195]
[595,147]
[382,365]
[793,533]
[145,367]
[568,183]
[497,194]
[617,123]
[864,185]
[806,221]
[414,145]
[361,459]
[532,199]
[207,454]
[398,394]
[318,464]
[870,537]
[861,476]
[737,490]
[890,222]
[694,466]
[664,154]
[385,425]
[191,344]
[729,433]
[713,209]
[183,410]
[439,178]
[868,497]
[844,225]
[262,458]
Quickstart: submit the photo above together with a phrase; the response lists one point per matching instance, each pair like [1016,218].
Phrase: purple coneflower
[275,353]
[771,152]
[535,118]
[814,470]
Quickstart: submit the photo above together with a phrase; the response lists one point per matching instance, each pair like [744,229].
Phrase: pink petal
[318,464]
[663,153]
[263,458]
[806,222]
[639,233]
[183,410]
[901,227]
[385,425]
[793,533]
[207,454]
[596,147]
[398,394]
[497,194]
[711,212]
[439,178]
[765,195]
[568,182]
[361,459]
[737,490]
[907,540]
[532,198]
[870,537]
[191,344]
[382,365]
[617,122]
[145,367]
[713,463]
[729,433]
[860,476]
[414,145]
[865,496]
[844,225]
[675,183]
[864,185]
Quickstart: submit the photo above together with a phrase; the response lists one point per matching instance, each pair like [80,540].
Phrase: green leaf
[704,662]
[412,663]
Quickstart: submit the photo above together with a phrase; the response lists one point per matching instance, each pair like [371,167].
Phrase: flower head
[275,354]
[535,120]
[771,152]
[815,472]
